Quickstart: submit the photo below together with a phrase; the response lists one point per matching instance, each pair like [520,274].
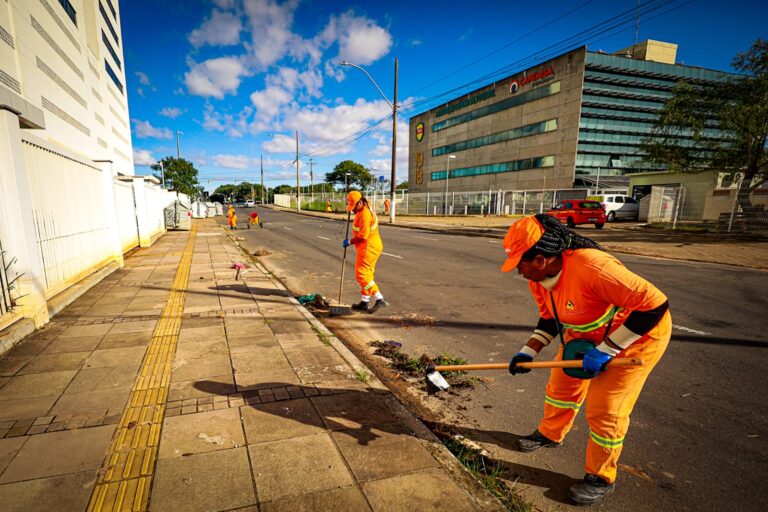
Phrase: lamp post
[162,171]
[393,106]
[178,146]
[447,175]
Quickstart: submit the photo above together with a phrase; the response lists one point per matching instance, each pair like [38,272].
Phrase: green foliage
[180,175]
[358,174]
[283,189]
[727,122]
[402,186]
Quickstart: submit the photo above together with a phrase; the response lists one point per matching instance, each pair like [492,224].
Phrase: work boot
[381,303]
[535,441]
[591,490]
[360,306]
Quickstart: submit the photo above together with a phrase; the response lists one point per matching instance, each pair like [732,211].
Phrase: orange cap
[352,199]
[522,235]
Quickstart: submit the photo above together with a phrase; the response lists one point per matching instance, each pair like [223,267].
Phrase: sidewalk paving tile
[265,360]
[346,499]
[267,379]
[62,345]
[188,369]
[125,340]
[79,331]
[8,449]
[219,480]
[390,452]
[201,432]
[280,420]
[102,378]
[353,410]
[276,466]
[36,385]
[27,407]
[429,490]
[60,493]
[107,399]
[76,451]
[208,386]
[128,356]
[44,363]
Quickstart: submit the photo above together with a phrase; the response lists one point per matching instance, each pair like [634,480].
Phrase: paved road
[699,435]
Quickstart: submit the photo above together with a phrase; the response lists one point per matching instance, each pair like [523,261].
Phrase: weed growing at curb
[362,375]
[324,338]
[487,471]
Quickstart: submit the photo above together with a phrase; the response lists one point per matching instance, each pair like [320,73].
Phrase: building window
[110,49]
[515,165]
[109,23]
[514,101]
[494,138]
[113,76]
[112,8]
[69,10]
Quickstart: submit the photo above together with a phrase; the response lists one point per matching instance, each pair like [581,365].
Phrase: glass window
[618,199]
[515,133]
[113,76]
[568,205]
[515,165]
[514,101]
[110,49]
[67,6]
[629,200]
[109,23]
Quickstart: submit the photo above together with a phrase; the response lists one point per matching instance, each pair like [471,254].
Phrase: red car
[579,211]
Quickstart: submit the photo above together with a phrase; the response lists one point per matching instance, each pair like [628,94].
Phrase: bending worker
[589,294]
[368,247]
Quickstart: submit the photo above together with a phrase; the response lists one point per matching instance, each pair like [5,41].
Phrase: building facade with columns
[557,125]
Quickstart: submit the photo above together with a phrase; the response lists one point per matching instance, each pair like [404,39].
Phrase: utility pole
[311,181]
[178,146]
[393,182]
[261,161]
[162,170]
[298,183]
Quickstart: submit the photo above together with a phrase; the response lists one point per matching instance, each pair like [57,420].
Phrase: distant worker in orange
[328,208]
[232,218]
[386,206]
[368,247]
[604,309]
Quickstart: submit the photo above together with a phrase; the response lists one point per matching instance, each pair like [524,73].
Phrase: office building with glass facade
[554,126]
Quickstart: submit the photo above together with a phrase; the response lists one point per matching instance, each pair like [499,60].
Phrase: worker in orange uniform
[386,206]
[328,208]
[589,294]
[368,247]
[232,218]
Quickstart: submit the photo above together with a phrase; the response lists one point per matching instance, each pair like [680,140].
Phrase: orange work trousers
[233,221]
[366,255]
[610,398]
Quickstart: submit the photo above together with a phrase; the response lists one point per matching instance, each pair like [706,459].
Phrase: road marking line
[425,238]
[393,255]
[125,478]
[286,227]
[324,238]
[494,241]
[692,331]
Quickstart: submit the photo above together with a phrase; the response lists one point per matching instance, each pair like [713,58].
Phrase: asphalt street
[699,433]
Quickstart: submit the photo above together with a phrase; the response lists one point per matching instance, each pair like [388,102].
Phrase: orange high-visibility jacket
[592,287]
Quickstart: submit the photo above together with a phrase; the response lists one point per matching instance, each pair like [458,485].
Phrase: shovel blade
[436,382]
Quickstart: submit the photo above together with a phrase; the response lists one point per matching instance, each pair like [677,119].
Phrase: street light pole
[447,176]
[393,106]
[261,161]
[162,171]
[178,146]
[298,183]
[311,182]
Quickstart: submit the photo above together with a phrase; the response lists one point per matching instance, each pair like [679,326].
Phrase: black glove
[519,358]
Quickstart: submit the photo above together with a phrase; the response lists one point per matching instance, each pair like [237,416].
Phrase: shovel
[341,310]
[436,382]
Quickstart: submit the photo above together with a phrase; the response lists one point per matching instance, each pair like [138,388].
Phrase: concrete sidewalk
[620,237]
[172,386]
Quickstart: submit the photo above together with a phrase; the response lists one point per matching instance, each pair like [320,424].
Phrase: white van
[618,206]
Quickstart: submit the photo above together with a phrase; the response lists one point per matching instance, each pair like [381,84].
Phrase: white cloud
[142,157]
[143,78]
[172,112]
[384,147]
[361,41]
[221,29]
[270,25]
[232,161]
[144,130]
[225,4]
[415,42]
[215,77]
[269,103]
[280,143]
[234,126]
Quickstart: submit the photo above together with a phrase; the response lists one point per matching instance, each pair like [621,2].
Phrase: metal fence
[700,207]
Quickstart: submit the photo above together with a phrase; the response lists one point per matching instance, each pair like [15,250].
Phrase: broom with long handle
[340,310]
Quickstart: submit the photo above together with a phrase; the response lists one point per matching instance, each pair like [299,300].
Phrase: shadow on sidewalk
[349,411]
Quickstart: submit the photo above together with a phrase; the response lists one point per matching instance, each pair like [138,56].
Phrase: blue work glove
[345,243]
[519,358]
[596,360]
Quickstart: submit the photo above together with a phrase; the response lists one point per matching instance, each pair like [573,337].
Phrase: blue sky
[238,77]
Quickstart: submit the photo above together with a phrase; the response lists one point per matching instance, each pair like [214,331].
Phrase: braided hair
[557,238]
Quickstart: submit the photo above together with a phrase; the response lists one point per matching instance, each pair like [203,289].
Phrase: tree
[358,175]
[180,175]
[283,189]
[217,198]
[728,123]
[402,186]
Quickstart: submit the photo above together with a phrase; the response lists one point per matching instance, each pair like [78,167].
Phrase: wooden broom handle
[626,361]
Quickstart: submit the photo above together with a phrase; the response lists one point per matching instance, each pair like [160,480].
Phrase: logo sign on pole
[420,132]
[381,179]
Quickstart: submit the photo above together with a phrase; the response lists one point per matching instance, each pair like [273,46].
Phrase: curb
[463,478]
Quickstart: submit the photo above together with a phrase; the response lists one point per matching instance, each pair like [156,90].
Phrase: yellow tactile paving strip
[126,475]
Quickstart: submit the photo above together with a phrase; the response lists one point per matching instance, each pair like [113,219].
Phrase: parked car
[250,204]
[579,211]
[239,204]
[618,206]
